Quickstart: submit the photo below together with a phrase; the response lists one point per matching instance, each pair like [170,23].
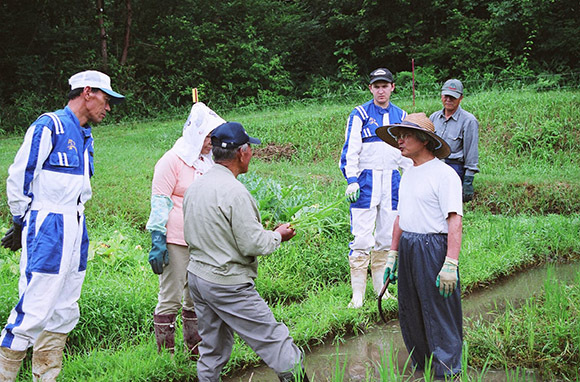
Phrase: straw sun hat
[415,121]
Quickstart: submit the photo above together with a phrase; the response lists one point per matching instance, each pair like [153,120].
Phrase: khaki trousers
[173,291]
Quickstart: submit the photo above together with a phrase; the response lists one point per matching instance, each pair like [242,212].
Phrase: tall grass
[306,282]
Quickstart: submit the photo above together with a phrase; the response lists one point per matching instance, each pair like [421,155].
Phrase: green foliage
[255,52]
[507,227]
[543,335]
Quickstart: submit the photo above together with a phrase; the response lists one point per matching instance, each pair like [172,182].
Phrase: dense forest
[248,52]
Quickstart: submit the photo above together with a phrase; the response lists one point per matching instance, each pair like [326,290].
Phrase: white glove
[352,192]
[447,278]
[391,268]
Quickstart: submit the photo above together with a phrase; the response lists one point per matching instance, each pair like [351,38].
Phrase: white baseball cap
[97,80]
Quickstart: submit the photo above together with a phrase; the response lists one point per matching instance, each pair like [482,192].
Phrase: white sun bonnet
[201,121]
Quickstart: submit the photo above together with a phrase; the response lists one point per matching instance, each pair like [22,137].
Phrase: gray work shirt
[223,229]
[461,132]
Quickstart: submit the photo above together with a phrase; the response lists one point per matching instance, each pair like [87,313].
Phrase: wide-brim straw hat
[415,121]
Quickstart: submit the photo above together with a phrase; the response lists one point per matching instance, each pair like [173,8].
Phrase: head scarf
[201,121]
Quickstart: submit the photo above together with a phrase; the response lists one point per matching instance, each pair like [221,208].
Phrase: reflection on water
[364,353]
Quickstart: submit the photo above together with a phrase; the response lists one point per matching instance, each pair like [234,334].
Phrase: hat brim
[115,97]
[254,141]
[451,93]
[389,134]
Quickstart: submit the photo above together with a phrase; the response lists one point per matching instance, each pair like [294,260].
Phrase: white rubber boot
[47,356]
[359,262]
[378,265]
[10,361]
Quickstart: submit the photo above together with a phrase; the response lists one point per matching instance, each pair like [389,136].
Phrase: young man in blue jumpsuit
[47,188]
[426,242]
[372,170]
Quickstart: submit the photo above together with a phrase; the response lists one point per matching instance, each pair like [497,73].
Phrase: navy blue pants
[458,167]
[430,323]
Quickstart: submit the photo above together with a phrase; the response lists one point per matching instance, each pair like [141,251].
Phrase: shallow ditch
[363,353]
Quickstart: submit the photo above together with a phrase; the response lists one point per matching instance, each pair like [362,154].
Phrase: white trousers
[52,270]
[372,216]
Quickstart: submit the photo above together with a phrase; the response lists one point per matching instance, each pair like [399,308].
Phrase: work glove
[158,256]
[352,192]
[13,237]
[467,188]
[391,269]
[447,278]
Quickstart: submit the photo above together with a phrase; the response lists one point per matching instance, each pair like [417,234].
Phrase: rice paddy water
[359,358]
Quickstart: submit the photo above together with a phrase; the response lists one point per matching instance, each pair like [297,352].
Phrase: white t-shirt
[427,195]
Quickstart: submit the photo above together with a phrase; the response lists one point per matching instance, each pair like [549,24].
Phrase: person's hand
[286,231]
[391,269]
[158,256]
[13,237]
[467,188]
[352,192]
[447,278]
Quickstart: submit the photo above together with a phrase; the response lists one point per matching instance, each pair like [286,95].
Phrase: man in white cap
[47,187]
[372,170]
[460,130]
[426,243]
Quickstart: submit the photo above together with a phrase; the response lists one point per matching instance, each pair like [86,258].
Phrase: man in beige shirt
[225,236]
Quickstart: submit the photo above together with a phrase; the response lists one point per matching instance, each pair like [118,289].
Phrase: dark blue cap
[231,134]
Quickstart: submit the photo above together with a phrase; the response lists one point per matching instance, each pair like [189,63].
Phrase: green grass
[525,212]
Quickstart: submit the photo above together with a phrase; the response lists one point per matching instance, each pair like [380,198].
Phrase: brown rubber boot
[165,331]
[191,337]
[47,356]
[10,361]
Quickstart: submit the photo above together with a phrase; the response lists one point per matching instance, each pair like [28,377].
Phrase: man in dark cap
[372,170]
[225,236]
[460,130]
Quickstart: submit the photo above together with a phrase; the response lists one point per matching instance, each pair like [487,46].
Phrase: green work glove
[158,256]
[467,188]
[13,237]
[352,192]
[447,278]
[391,268]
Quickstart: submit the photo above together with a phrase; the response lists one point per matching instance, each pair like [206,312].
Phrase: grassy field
[526,211]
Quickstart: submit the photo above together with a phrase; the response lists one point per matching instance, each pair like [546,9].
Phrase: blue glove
[391,269]
[467,188]
[158,256]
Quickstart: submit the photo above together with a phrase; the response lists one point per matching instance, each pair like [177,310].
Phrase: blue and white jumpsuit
[47,187]
[375,165]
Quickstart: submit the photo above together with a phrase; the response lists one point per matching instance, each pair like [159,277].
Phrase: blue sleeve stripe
[32,159]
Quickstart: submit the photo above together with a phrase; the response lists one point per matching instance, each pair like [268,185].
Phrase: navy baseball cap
[230,135]
[381,74]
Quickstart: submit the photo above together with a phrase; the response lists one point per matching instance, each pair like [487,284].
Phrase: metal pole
[413,71]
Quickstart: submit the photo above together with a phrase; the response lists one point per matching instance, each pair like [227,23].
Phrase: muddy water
[363,353]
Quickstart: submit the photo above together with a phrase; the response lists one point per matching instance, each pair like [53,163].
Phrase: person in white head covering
[189,158]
